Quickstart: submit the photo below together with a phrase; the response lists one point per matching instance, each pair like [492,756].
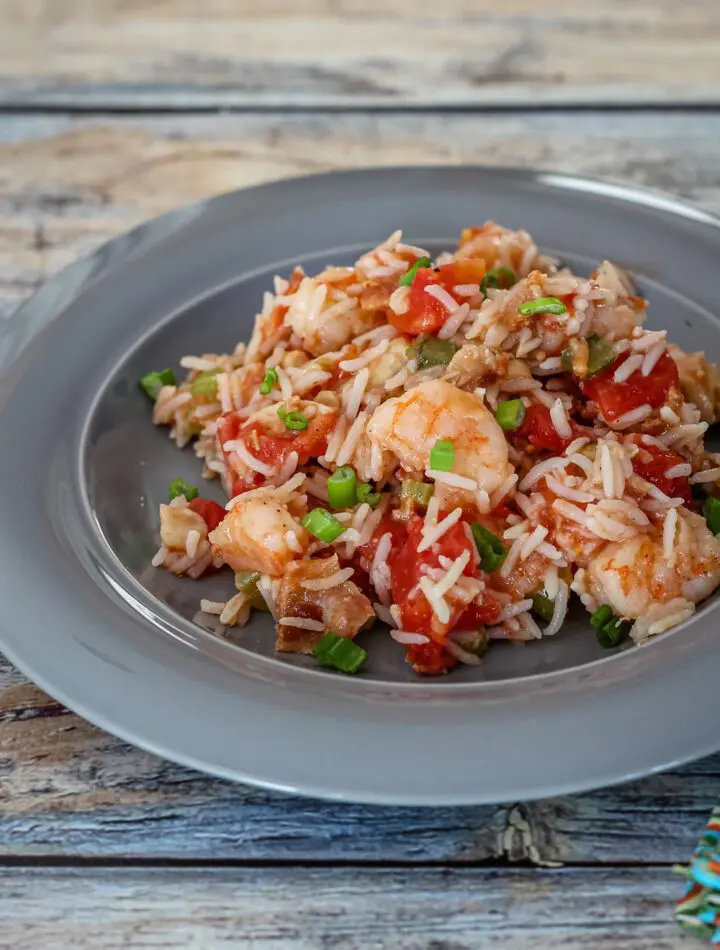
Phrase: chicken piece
[410,425]
[699,382]
[184,536]
[342,608]
[501,247]
[640,577]
[324,325]
[473,364]
[259,534]
[389,363]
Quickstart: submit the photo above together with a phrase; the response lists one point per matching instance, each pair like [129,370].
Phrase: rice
[651,358]
[409,639]
[632,417]
[379,570]
[559,610]
[451,326]
[302,623]
[532,541]
[326,583]
[197,363]
[352,366]
[446,299]
[434,532]
[514,609]
[560,420]
[351,439]
[450,478]
[709,475]
[356,392]
[628,367]
[539,471]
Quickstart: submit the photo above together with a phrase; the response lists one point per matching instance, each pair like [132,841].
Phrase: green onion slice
[442,456]
[474,642]
[490,548]
[246,584]
[321,525]
[567,360]
[431,351]
[601,354]
[711,510]
[510,414]
[205,384]
[409,276]
[293,420]
[543,606]
[271,379]
[365,493]
[342,487]
[542,305]
[418,492]
[501,278]
[339,653]
[609,629]
[152,383]
[179,487]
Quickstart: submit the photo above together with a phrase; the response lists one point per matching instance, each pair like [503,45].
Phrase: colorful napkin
[699,910]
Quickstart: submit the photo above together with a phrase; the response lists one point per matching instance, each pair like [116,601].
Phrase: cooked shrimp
[322,325]
[254,536]
[410,425]
[501,247]
[184,536]
[635,575]
[175,525]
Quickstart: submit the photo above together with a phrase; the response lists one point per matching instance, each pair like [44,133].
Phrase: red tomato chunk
[615,399]
[210,511]
[425,313]
[652,463]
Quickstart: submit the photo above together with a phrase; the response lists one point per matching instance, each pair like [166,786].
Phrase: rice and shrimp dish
[454,447]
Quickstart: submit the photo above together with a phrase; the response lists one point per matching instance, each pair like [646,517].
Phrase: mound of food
[453,447]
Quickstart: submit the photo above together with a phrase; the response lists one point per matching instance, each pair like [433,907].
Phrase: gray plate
[82,471]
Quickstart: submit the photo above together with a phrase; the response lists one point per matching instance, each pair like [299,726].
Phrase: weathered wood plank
[69,789]
[300,908]
[221,53]
[68,184]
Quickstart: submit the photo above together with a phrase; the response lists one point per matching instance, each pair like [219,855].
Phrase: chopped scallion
[418,492]
[442,456]
[601,354]
[510,414]
[711,510]
[293,420]
[365,494]
[542,305]
[409,276]
[205,384]
[490,548]
[321,525]
[543,606]
[342,487]
[609,629]
[179,487]
[246,584]
[152,383]
[501,278]
[431,351]
[271,379]
[339,653]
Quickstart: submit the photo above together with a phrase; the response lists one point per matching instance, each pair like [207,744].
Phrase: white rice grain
[351,439]
[302,623]
[632,418]
[560,420]
[446,299]
[352,366]
[433,532]
[531,542]
[453,324]
[409,639]
[651,358]
[539,471]
[450,478]
[628,367]
[326,583]
[709,475]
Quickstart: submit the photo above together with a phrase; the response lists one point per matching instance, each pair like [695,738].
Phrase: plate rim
[81,275]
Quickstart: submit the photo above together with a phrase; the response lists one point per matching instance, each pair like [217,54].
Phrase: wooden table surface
[117,110]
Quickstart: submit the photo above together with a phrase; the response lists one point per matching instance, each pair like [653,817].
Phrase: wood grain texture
[362,53]
[340,908]
[67,184]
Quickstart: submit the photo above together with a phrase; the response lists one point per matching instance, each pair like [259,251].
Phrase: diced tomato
[362,559]
[537,427]
[652,462]
[211,513]
[615,399]
[415,610]
[425,313]
[477,615]
[273,449]
[430,658]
